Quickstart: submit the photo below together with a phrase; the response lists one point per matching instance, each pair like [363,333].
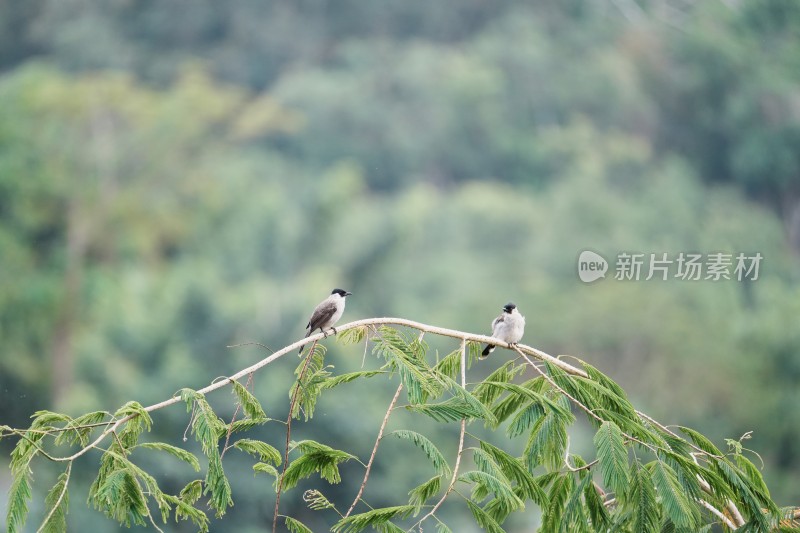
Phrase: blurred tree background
[176,177]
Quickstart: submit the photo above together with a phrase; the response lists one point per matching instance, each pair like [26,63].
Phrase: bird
[508,327]
[326,314]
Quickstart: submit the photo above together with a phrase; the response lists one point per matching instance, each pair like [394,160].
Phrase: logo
[591,266]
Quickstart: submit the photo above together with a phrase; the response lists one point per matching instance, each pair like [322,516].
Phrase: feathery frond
[180,453]
[613,456]
[250,404]
[373,518]
[421,441]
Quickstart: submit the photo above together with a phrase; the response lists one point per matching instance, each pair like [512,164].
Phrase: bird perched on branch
[327,313]
[508,327]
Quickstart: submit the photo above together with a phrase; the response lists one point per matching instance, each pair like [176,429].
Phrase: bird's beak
[347,293]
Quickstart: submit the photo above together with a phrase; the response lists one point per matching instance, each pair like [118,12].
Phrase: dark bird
[508,327]
[327,313]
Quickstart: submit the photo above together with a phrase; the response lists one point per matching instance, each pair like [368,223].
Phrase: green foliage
[260,449]
[678,506]
[57,505]
[613,456]
[295,526]
[252,407]
[315,458]
[663,495]
[18,496]
[376,518]
[421,441]
[422,493]
[643,501]
[312,376]
[175,451]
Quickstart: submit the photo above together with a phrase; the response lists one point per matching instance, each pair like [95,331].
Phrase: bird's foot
[334,330]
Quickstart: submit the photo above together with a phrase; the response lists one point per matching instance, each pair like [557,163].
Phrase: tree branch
[460,442]
[374,450]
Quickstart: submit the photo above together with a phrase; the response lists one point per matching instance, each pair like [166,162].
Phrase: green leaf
[260,449]
[484,520]
[452,410]
[57,505]
[643,500]
[524,419]
[613,456]
[373,518]
[745,493]
[421,493]
[421,441]
[295,526]
[265,468]
[247,424]
[347,378]
[180,453]
[499,487]
[207,427]
[192,491]
[450,365]
[317,501]
[250,404]
[559,492]
[120,497]
[353,335]
[407,357]
[316,458]
[185,511]
[217,485]
[597,511]
[547,443]
[487,392]
[680,509]
[311,374]
[574,516]
[701,441]
[18,496]
[76,430]
[515,471]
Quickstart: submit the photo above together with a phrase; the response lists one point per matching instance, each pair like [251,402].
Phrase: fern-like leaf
[316,458]
[484,520]
[373,518]
[18,496]
[422,493]
[175,451]
[260,449]
[681,510]
[613,456]
[250,404]
[421,441]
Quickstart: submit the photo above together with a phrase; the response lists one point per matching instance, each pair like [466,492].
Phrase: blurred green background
[176,177]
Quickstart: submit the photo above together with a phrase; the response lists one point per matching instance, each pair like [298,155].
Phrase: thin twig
[374,450]
[716,512]
[233,419]
[460,443]
[289,434]
[58,501]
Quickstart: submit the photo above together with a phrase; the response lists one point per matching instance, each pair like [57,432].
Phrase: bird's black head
[341,292]
[509,307]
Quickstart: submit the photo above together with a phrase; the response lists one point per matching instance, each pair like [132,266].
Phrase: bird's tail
[303,347]
[486,351]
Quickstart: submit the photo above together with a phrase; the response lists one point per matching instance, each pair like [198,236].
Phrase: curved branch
[464,336]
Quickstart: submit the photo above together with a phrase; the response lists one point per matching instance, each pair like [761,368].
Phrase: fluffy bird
[327,313]
[508,327]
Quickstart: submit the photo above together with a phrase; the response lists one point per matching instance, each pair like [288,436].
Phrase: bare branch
[374,450]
